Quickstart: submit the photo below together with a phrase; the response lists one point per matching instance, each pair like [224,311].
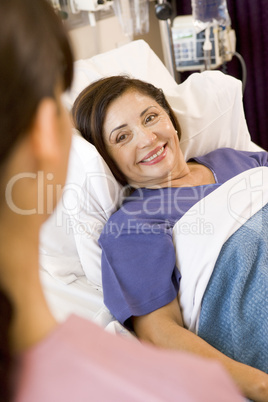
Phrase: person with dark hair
[41,360]
[89,112]
[135,130]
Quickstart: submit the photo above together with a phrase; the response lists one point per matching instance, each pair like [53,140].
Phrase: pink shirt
[81,362]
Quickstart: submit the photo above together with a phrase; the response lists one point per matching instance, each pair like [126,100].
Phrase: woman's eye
[121,138]
[150,118]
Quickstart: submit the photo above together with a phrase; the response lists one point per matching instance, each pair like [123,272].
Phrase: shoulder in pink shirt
[81,362]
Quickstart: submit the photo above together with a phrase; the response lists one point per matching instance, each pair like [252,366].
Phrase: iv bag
[133,16]
[210,12]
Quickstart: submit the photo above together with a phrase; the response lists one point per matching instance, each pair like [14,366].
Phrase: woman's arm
[164,328]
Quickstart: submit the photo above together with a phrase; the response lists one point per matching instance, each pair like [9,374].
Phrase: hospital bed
[209,108]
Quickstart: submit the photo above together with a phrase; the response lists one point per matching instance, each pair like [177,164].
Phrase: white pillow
[209,108]
[69,238]
[136,59]
[210,111]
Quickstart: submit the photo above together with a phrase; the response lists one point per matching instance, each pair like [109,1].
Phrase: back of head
[35,59]
[34,54]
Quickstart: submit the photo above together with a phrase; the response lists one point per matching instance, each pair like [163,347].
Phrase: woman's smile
[142,140]
[155,156]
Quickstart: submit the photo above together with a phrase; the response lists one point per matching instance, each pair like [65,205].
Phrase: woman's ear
[45,131]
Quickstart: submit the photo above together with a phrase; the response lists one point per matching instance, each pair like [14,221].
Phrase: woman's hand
[164,328]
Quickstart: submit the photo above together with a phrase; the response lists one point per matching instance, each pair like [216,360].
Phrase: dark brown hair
[35,57]
[90,107]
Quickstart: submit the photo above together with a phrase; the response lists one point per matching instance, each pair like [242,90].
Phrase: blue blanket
[234,312]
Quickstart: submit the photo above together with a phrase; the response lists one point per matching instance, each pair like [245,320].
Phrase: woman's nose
[145,138]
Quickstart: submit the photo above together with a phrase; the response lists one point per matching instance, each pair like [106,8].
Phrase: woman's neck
[193,174]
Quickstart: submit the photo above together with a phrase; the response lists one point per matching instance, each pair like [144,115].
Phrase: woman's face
[142,140]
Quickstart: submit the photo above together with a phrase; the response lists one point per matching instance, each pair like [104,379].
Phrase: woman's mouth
[155,157]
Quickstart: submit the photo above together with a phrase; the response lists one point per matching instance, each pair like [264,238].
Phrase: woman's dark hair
[35,58]
[90,108]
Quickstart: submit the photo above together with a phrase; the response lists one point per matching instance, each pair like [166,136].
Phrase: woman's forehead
[132,97]
[130,104]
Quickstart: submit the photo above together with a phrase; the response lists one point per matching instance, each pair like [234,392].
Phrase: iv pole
[163,11]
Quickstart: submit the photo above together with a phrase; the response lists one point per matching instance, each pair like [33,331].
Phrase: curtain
[250,21]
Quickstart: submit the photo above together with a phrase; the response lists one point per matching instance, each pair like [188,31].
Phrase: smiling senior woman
[135,130]
[129,160]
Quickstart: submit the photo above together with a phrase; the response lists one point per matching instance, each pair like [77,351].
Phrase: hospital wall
[107,34]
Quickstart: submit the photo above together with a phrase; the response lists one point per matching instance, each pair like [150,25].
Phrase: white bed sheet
[78,297]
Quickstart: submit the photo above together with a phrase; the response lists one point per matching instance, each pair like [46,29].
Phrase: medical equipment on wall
[164,12]
[201,49]
[207,13]
[91,6]
[133,16]
[204,40]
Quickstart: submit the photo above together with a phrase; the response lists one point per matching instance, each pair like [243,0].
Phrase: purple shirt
[139,270]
